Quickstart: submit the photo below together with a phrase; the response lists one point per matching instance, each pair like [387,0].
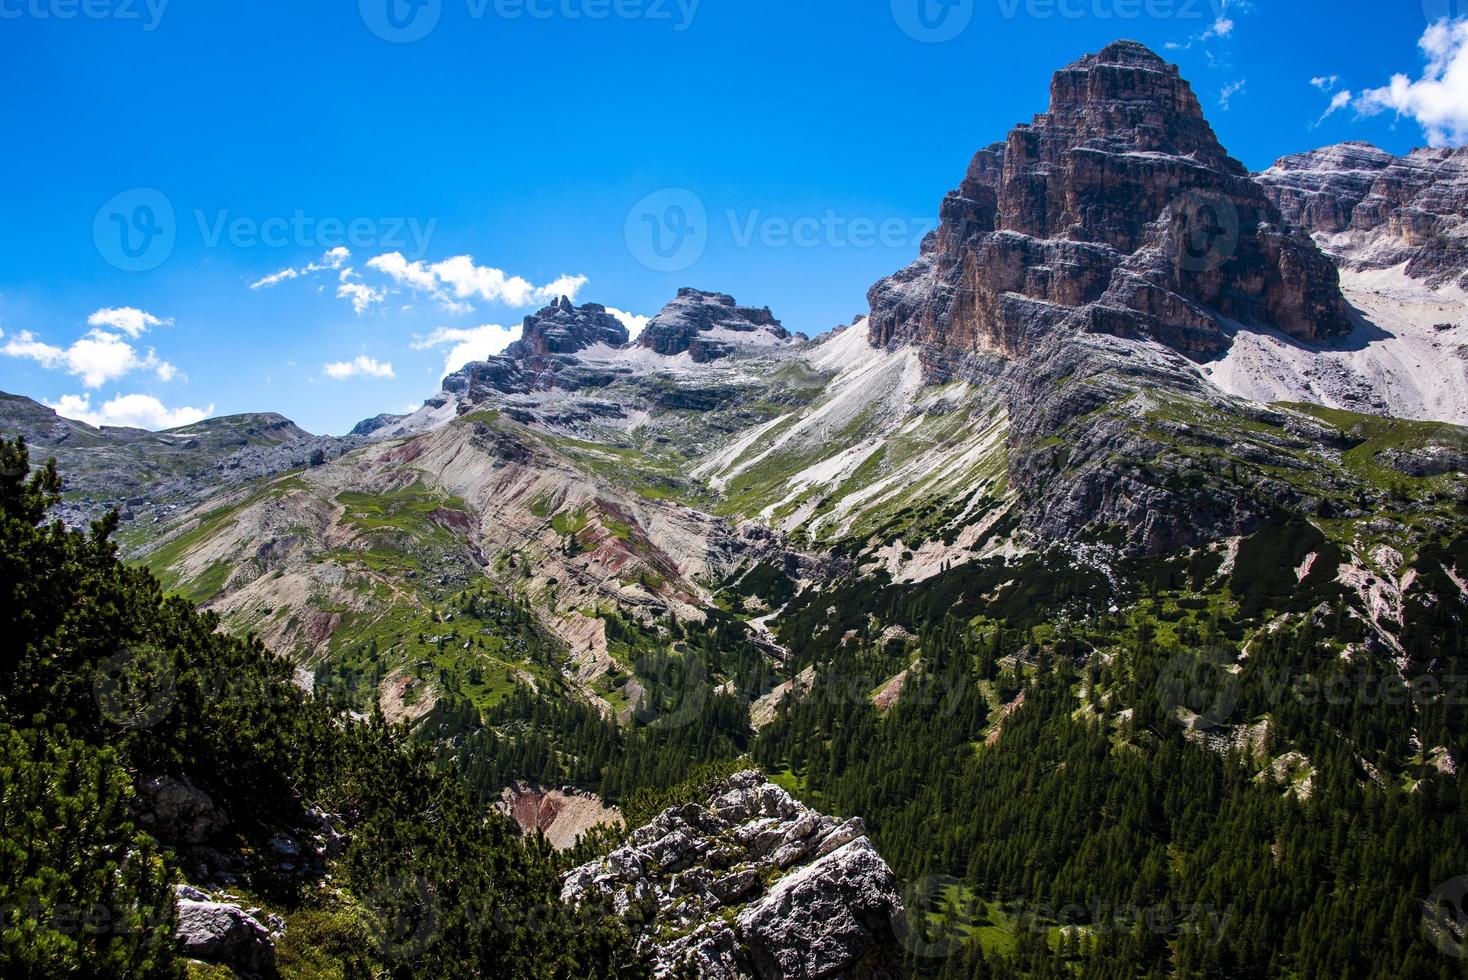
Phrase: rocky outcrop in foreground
[221,932]
[752,884]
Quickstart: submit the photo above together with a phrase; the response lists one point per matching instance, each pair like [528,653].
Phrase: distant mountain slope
[143,472]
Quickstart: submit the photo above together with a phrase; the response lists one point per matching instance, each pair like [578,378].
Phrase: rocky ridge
[707,325]
[544,356]
[751,884]
[148,475]
[1369,209]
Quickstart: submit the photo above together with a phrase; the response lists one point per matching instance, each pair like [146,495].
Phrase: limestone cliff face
[707,324]
[1371,210]
[1116,212]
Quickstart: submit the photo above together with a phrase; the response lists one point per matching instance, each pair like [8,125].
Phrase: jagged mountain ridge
[1369,209]
[593,478]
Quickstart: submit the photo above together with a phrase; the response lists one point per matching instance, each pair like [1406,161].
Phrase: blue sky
[515,149]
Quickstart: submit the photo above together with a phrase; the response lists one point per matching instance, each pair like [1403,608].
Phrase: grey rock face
[1117,212]
[819,920]
[1371,210]
[544,356]
[562,328]
[1087,460]
[222,933]
[751,884]
[695,321]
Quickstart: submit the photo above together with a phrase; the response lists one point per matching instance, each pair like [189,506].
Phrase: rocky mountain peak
[707,325]
[1126,94]
[543,357]
[563,328]
[1116,212]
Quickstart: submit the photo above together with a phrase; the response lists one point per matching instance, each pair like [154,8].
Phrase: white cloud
[1222,26]
[25,344]
[1225,98]
[399,269]
[97,358]
[632,321]
[457,279]
[1326,83]
[363,296]
[1337,102]
[130,321]
[1438,101]
[134,411]
[360,365]
[333,259]
[469,344]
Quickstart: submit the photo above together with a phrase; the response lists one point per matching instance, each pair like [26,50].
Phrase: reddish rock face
[1118,211]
